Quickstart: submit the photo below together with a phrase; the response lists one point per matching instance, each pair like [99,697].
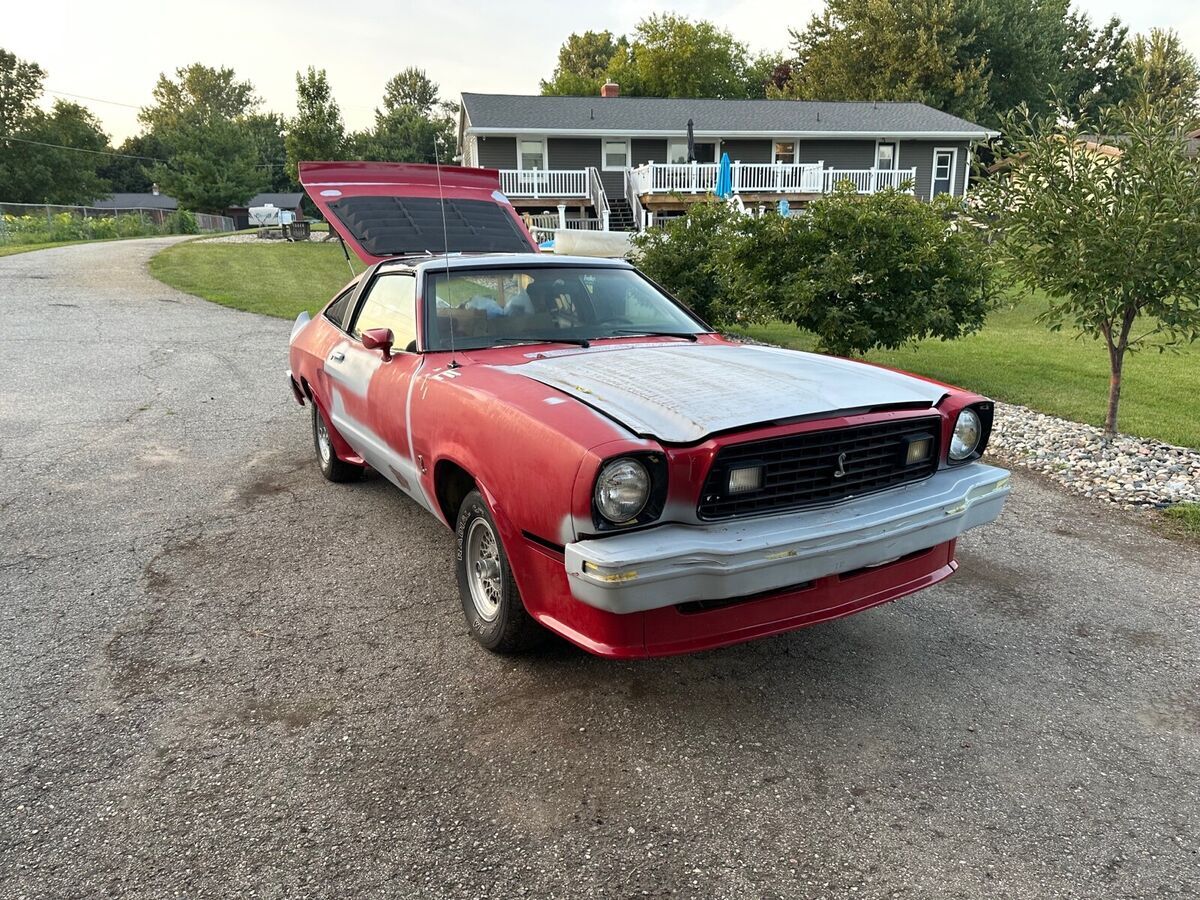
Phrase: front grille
[799,469]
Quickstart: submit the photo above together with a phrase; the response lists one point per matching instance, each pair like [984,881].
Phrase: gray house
[624,160]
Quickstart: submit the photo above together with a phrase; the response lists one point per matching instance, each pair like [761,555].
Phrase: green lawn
[1016,359]
[1013,358]
[275,278]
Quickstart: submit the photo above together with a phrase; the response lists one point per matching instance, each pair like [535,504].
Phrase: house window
[784,152]
[677,150]
[885,156]
[616,154]
[532,155]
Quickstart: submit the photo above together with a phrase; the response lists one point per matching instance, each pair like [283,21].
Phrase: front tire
[332,468]
[495,614]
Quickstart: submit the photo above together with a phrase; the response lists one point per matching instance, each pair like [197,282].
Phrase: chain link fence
[46,223]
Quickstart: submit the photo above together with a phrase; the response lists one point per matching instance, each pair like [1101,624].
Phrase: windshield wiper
[686,335]
[581,342]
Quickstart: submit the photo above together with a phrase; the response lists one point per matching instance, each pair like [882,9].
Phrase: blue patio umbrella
[724,184]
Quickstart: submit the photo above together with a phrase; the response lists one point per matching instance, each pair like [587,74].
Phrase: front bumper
[675,564]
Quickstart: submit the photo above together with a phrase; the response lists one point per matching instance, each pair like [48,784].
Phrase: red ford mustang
[613,470]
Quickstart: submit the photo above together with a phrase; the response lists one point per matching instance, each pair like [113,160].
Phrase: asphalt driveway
[224,677]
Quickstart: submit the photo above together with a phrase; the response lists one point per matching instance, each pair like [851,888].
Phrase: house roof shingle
[282,200]
[631,115]
[136,201]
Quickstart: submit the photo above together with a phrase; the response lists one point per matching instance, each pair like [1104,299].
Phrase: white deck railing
[696,178]
[868,181]
[763,178]
[548,183]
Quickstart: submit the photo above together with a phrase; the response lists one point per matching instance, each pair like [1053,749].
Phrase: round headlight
[622,490]
[967,432]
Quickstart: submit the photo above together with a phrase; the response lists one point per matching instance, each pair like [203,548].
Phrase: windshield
[512,304]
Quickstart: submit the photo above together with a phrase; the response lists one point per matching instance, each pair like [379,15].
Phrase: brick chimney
[610,89]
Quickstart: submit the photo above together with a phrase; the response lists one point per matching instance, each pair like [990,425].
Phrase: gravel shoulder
[224,676]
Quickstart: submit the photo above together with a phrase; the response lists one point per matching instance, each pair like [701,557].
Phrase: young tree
[316,132]
[1161,67]
[205,119]
[1110,238]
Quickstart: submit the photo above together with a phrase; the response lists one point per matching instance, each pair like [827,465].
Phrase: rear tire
[331,467]
[495,614]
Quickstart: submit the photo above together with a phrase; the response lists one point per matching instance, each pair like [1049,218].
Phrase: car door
[369,391]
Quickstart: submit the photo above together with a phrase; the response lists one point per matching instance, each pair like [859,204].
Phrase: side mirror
[378,339]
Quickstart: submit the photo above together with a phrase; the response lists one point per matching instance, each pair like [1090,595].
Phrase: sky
[112,53]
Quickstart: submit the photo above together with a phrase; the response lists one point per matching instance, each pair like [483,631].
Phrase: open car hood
[396,209]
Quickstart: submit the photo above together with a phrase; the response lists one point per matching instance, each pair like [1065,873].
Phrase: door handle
[337,356]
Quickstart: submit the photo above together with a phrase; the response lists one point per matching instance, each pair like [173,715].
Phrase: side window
[391,303]
[336,311]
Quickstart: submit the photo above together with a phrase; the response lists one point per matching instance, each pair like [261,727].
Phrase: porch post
[604,220]
[562,216]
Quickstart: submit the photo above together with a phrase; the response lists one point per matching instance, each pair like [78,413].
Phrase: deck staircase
[620,216]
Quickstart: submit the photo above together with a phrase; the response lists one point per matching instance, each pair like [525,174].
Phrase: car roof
[500,260]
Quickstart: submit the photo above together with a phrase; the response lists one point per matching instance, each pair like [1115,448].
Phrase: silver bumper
[679,563]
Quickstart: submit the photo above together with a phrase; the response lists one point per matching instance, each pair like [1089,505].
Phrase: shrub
[684,256]
[858,271]
[182,222]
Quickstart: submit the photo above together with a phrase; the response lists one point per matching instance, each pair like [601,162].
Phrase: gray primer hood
[681,393]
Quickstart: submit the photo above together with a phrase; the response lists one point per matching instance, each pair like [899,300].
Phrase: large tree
[204,117]
[56,159]
[1093,72]
[413,124]
[316,132]
[1159,66]
[921,50]
[20,86]
[1110,236]
[674,56]
[411,88]
[128,170]
[667,55]
[583,63]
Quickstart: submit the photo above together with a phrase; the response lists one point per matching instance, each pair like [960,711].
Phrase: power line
[82,149]
[270,165]
[93,99]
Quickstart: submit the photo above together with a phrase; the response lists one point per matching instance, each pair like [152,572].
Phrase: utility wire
[81,149]
[93,99]
[272,165]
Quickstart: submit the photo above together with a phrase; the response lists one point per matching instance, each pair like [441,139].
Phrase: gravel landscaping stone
[1133,472]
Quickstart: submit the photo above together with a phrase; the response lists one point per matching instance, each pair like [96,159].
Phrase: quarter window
[391,303]
[336,311]
[616,154]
